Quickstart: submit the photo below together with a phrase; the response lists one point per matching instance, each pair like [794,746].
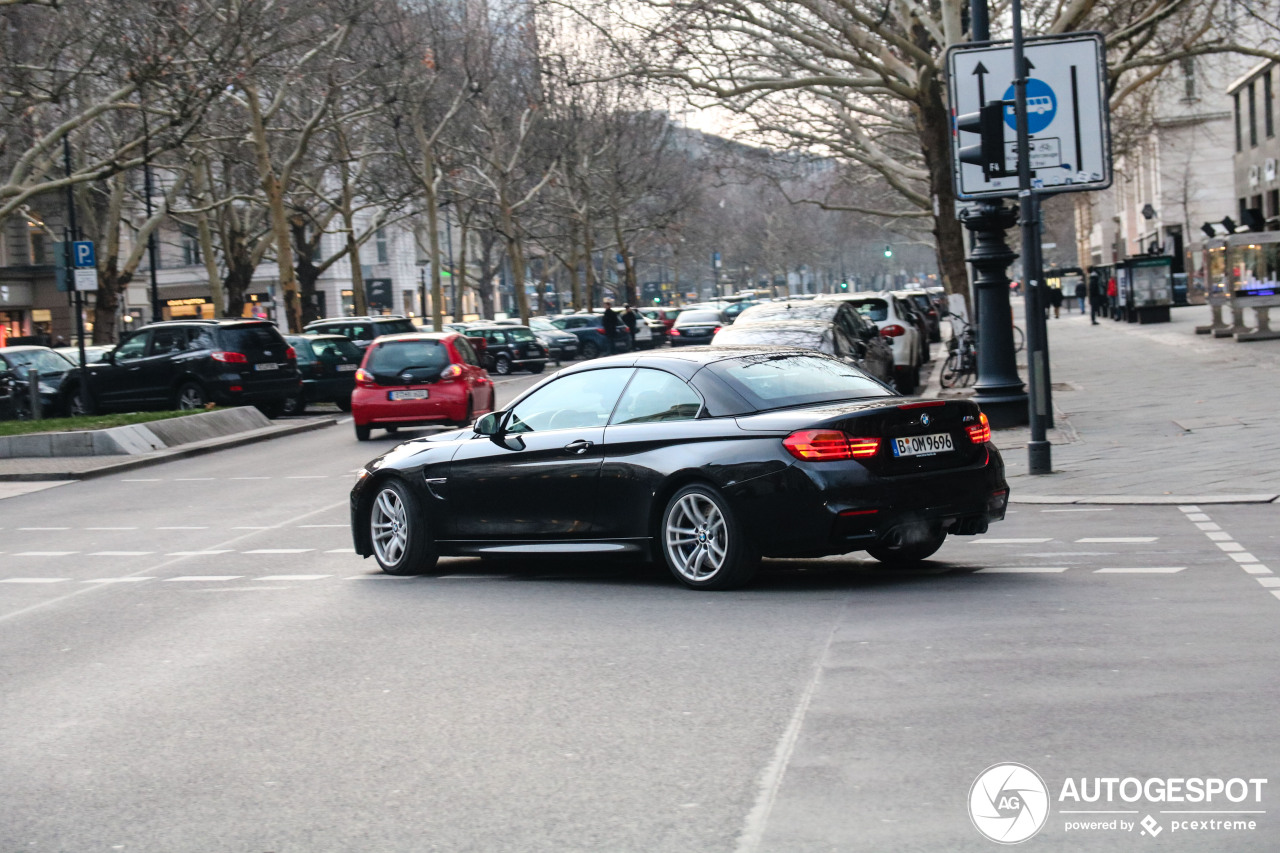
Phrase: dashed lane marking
[317,526]
[1082,509]
[45,553]
[196,553]
[133,579]
[1144,570]
[180,527]
[1116,540]
[1025,541]
[1271,581]
[204,578]
[120,553]
[1002,570]
[280,551]
[44,528]
[1251,564]
[33,580]
[1244,557]
[292,577]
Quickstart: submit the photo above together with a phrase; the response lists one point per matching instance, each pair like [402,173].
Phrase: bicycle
[961,367]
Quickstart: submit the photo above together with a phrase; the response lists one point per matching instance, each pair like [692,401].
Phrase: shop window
[380,246]
[190,239]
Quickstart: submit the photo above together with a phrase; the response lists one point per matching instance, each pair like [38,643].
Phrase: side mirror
[489,424]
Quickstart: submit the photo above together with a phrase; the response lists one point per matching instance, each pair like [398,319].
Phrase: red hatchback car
[426,379]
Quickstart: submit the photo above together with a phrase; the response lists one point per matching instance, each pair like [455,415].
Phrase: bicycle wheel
[969,370]
[951,371]
[1019,340]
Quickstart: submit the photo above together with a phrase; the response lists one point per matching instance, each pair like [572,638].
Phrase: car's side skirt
[460,547]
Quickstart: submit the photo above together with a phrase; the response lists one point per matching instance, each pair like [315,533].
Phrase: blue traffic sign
[82,253]
[1042,106]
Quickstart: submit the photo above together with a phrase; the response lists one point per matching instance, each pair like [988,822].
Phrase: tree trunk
[516,255]
[305,268]
[433,240]
[591,267]
[575,284]
[631,293]
[239,273]
[933,121]
[279,220]
[111,283]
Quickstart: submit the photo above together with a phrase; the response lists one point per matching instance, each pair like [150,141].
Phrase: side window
[656,396]
[132,348]
[167,341]
[302,349]
[360,332]
[843,343]
[465,352]
[572,402]
[201,338]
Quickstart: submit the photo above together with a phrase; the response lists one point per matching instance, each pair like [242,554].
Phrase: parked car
[419,379]
[361,330]
[646,337]
[328,365]
[662,319]
[589,329]
[15,389]
[187,364]
[696,326]
[561,345]
[510,348]
[844,334]
[890,317]
[925,305]
[707,459]
[92,354]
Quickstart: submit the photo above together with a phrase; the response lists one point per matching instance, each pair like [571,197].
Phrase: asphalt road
[194,660]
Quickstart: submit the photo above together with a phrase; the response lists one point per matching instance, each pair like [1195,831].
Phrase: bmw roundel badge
[925,420]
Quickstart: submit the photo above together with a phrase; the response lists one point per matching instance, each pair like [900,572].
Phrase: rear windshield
[336,349]
[395,327]
[251,338]
[522,334]
[875,310]
[789,311]
[400,355]
[778,381]
[768,335]
[699,317]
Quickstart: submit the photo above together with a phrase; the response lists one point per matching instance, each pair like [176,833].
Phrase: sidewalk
[1152,414]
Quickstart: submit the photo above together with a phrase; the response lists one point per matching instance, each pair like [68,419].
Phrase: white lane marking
[134,579]
[1244,557]
[1002,570]
[291,577]
[204,578]
[120,553]
[182,528]
[345,420]
[44,528]
[1133,540]
[1081,509]
[45,553]
[196,553]
[1207,525]
[1153,570]
[33,580]
[1272,581]
[1276,593]
[1230,546]
[317,526]
[279,551]
[1028,541]
[1219,536]
[1256,569]
[1197,516]
[1189,508]
[111,528]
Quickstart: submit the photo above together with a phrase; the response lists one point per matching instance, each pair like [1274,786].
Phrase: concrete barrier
[135,439]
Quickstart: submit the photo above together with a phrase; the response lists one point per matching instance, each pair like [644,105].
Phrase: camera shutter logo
[1008,803]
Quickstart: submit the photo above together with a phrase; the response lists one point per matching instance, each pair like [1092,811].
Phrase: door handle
[579,446]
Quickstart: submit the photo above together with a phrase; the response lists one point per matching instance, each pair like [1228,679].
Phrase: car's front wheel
[295,405]
[502,365]
[703,545]
[191,395]
[363,432]
[399,532]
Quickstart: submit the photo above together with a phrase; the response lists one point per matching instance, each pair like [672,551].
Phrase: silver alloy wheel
[190,397]
[389,527]
[697,539]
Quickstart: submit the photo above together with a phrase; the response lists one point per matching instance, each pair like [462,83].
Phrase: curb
[1142,500]
[176,453]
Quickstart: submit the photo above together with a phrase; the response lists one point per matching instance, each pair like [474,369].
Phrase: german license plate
[266,365]
[346,368]
[923,445]
[419,394]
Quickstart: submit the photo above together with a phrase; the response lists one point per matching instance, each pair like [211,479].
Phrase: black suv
[189,363]
[328,364]
[361,330]
[509,348]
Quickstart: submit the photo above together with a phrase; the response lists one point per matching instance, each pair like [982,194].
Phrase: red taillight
[290,354]
[715,330]
[230,357]
[820,445]
[364,379]
[235,388]
[600,329]
[893,331]
[849,513]
[453,371]
[923,404]
[675,332]
[979,433]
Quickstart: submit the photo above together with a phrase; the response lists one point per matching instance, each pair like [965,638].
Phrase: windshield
[542,325]
[395,356]
[519,333]
[778,381]
[788,311]
[395,327]
[43,360]
[875,310]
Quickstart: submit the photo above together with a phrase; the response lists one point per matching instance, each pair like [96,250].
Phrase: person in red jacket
[1113,297]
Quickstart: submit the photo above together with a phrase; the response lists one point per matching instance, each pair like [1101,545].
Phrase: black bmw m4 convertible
[707,459]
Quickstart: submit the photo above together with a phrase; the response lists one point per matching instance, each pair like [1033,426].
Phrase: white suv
[884,310]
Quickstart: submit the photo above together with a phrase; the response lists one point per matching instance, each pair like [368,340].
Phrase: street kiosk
[1254,269]
[1146,288]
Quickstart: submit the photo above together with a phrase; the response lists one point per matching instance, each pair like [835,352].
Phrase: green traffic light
[844,285]
[888,251]
[657,300]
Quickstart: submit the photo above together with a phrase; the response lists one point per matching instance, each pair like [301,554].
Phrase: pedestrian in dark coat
[1095,297]
[610,318]
[1081,292]
[631,319]
[1055,299]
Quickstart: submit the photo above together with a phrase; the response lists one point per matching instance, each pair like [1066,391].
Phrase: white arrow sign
[1067,114]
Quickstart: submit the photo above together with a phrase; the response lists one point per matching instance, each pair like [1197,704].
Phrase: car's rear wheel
[363,432]
[502,365]
[398,531]
[703,545]
[590,350]
[295,405]
[79,404]
[909,545]
[191,395]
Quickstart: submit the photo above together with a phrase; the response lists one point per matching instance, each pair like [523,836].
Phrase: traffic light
[988,123]
[844,285]
[888,251]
